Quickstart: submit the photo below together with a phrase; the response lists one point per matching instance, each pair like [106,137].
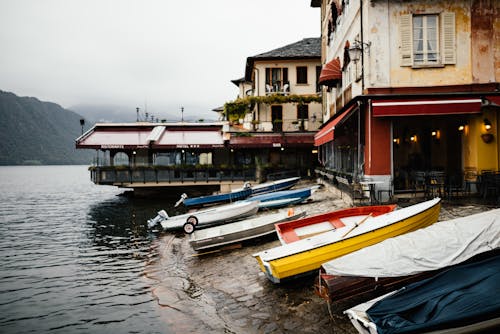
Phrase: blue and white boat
[272,186]
[238,194]
[215,199]
[283,198]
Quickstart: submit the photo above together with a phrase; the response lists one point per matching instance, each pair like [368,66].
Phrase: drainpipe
[362,45]
[257,74]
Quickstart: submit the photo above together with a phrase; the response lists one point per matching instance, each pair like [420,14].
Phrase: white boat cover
[440,245]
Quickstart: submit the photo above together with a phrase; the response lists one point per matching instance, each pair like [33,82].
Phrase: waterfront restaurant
[213,156]
[410,102]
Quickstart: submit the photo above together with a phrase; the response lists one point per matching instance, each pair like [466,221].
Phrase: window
[276,77]
[301,74]
[425,39]
[428,39]
[302,111]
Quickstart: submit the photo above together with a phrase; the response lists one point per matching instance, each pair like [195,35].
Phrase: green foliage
[241,106]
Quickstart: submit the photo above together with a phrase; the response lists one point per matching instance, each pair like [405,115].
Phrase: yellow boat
[306,255]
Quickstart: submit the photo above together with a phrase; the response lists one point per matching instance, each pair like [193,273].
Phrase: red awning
[326,135]
[430,106]
[331,73]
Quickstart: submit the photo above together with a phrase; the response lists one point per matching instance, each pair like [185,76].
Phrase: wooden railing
[110,175]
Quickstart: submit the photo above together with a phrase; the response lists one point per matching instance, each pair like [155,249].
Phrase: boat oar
[357,224]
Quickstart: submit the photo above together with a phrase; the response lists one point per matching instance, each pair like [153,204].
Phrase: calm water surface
[72,255]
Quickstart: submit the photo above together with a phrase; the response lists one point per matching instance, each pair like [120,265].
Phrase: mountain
[37,132]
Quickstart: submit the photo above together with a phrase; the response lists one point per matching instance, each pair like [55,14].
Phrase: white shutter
[405,27]
[448,42]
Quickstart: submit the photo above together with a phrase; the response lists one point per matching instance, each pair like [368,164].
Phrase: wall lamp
[487,124]
[436,134]
[357,48]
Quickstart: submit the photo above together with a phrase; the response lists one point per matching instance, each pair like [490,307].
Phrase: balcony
[158,176]
[278,89]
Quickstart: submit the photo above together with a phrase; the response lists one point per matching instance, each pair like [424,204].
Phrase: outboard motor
[162,215]
[183,197]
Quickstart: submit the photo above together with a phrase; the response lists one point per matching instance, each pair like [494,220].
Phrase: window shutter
[285,75]
[448,29]
[268,75]
[406,39]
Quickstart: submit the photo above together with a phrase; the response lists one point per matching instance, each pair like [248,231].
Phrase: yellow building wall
[477,153]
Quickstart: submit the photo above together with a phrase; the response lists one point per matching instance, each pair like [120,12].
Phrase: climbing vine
[238,108]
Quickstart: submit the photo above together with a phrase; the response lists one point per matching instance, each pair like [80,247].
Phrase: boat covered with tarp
[463,299]
[409,257]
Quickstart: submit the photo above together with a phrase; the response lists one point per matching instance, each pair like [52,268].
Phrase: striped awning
[331,73]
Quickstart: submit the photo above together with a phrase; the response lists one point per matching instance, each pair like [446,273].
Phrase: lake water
[73,254]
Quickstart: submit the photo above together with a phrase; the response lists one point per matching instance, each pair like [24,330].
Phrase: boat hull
[239,231]
[283,197]
[217,199]
[309,259]
[278,185]
[213,216]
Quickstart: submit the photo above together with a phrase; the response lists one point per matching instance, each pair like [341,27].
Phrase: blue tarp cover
[463,295]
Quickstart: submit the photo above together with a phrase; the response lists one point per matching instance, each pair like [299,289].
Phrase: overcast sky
[158,54]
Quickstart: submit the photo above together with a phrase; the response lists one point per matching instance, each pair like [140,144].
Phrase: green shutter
[406,39]
[448,41]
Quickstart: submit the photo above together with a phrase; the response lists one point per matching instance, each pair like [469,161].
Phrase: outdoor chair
[435,184]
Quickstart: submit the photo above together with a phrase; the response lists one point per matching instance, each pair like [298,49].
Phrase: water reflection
[119,224]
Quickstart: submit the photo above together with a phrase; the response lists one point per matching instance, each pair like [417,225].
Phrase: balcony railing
[111,175]
[278,89]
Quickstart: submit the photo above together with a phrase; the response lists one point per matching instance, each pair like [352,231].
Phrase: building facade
[410,88]
[271,135]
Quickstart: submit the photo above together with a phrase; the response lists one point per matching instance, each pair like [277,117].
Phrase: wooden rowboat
[207,217]
[306,227]
[306,256]
[241,230]
[410,257]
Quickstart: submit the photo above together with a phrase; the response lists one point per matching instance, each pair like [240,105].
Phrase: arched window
[120,158]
